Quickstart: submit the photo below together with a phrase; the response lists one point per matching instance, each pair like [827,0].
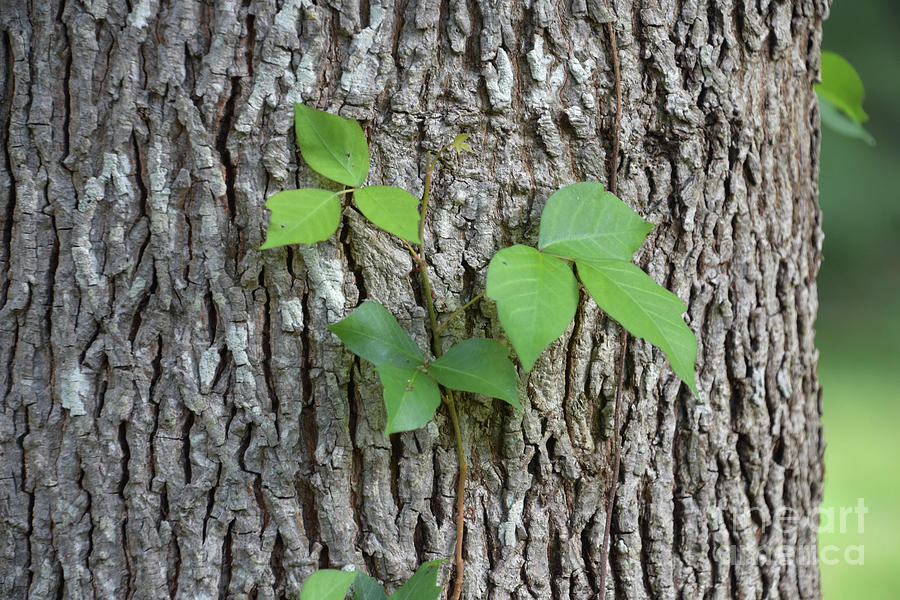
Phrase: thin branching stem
[458,311]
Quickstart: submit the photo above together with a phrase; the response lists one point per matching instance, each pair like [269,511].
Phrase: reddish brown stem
[620,370]
[460,498]
[617,125]
[614,480]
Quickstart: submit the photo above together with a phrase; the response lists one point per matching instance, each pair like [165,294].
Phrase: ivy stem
[614,480]
[620,369]
[458,311]
[447,397]
[429,302]
[460,496]
[617,125]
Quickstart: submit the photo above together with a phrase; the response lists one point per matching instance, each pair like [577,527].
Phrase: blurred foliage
[841,94]
[858,330]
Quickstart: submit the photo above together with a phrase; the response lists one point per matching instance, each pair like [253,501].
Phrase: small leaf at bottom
[327,584]
[367,588]
[422,585]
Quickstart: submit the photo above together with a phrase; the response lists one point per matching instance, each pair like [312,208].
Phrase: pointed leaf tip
[646,309]
[332,146]
[367,588]
[480,366]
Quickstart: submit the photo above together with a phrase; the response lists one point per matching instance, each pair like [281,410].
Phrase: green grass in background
[860,420]
[858,329]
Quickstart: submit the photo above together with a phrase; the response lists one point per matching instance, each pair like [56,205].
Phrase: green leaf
[373,333]
[367,588]
[410,397]
[536,296]
[840,123]
[332,146]
[302,216]
[644,308]
[327,584]
[480,366]
[422,585]
[459,144]
[584,221]
[842,86]
[391,208]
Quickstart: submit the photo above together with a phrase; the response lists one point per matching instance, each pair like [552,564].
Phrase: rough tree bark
[177,421]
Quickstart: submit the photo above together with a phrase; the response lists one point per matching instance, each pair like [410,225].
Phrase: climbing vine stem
[448,398]
[620,369]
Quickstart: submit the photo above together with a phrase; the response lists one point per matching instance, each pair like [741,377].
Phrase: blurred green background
[858,329]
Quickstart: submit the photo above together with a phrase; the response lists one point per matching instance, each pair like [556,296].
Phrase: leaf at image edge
[422,585]
[367,588]
[842,86]
[327,584]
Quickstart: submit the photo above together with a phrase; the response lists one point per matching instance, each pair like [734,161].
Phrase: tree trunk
[177,421]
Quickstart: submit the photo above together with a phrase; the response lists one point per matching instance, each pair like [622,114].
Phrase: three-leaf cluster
[330,584]
[537,293]
[411,393]
[337,149]
[535,290]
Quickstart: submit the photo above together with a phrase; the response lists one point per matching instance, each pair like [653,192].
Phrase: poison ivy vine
[584,230]
[331,584]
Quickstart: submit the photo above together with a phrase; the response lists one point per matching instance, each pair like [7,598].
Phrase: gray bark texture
[177,422]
